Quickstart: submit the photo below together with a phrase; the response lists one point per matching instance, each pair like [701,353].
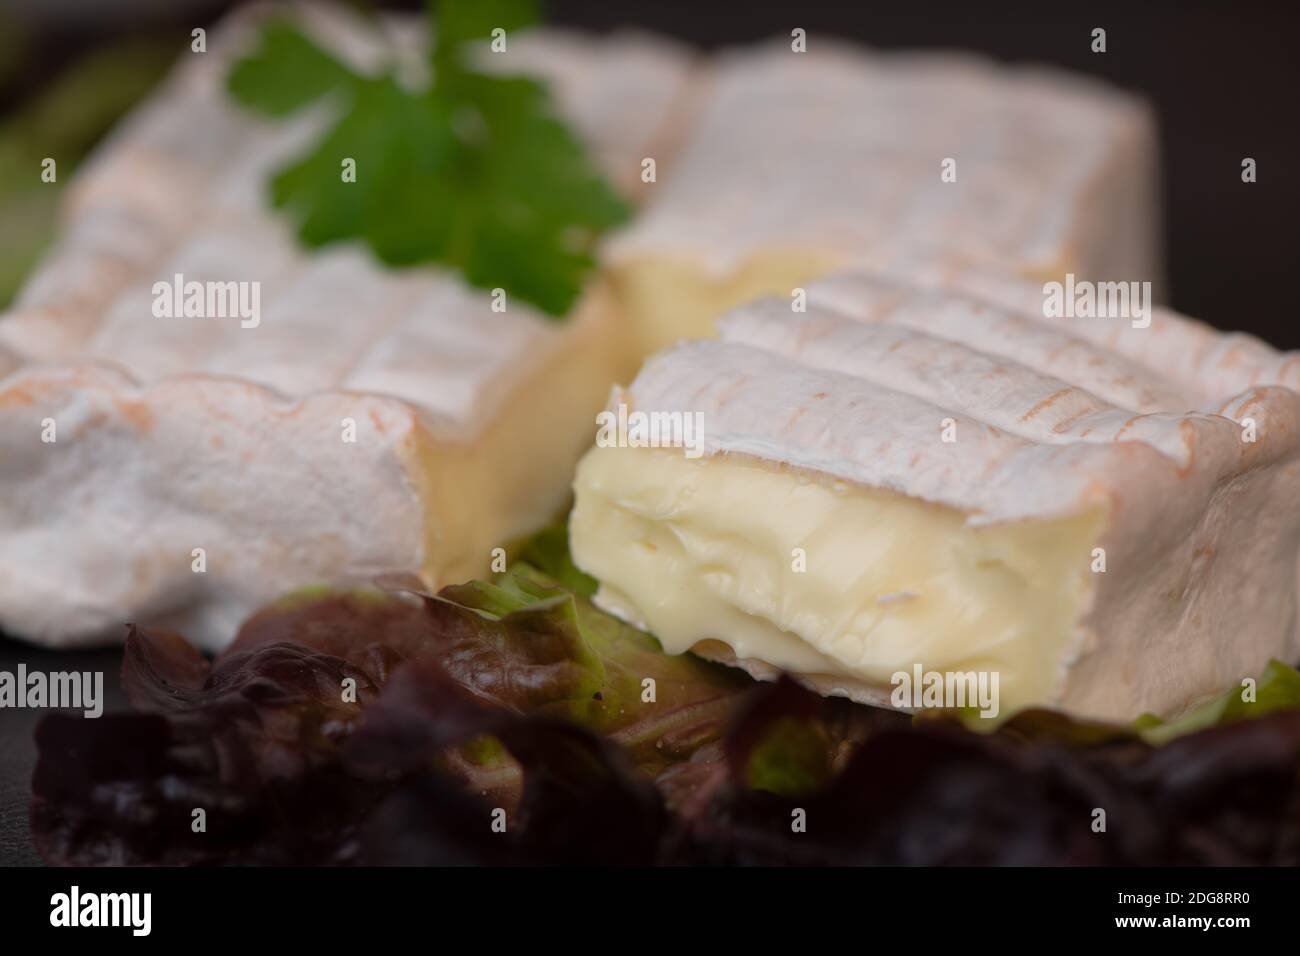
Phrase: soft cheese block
[183,471]
[796,164]
[931,475]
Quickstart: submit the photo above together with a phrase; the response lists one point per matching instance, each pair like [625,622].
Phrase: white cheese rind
[101,525]
[1176,354]
[1200,528]
[1052,171]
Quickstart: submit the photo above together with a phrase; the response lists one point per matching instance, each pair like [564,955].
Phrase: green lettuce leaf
[660,706]
[1278,688]
[524,644]
[548,551]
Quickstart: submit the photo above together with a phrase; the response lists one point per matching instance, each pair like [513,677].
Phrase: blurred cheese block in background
[800,163]
[907,474]
[373,420]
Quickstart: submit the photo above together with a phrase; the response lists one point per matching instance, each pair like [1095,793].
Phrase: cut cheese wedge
[184,471]
[908,479]
[797,164]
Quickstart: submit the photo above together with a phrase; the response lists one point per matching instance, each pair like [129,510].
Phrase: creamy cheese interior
[514,477]
[705,549]
[665,298]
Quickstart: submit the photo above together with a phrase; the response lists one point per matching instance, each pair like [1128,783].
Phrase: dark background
[1225,79]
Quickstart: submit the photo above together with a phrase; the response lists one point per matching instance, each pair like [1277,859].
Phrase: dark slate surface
[18,744]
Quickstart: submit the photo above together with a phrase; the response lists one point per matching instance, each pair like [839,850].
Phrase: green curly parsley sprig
[474,171]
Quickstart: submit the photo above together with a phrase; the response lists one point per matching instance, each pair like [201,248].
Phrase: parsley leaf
[475,171]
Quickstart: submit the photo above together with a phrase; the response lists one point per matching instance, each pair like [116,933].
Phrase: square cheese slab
[184,471]
[927,473]
[797,164]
